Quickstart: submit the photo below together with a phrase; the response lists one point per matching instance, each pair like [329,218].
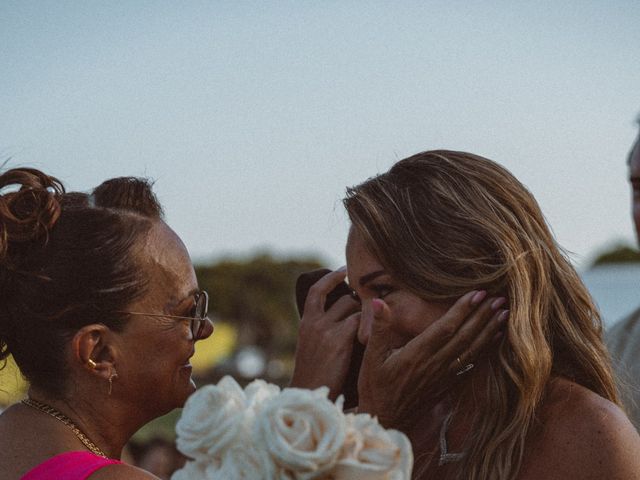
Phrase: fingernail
[342,269]
[503,316]
[498,302]
[377,305]
[478,297]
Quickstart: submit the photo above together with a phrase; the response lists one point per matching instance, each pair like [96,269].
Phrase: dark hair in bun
[66,260]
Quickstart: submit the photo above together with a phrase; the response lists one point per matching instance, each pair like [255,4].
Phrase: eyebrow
[370,276]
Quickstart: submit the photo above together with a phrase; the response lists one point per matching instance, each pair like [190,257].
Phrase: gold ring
[465,369]
[92,364]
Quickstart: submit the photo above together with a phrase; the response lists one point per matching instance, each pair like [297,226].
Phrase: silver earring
[111,377]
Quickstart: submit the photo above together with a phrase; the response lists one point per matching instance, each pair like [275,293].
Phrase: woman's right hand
[396,384]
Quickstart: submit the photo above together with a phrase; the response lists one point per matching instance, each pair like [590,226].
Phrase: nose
[366,320]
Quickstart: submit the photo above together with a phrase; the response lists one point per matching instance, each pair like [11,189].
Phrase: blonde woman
[542,404]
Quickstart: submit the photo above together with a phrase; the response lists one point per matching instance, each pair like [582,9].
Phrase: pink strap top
[70,466]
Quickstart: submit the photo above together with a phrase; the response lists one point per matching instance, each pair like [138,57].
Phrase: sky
[253,117]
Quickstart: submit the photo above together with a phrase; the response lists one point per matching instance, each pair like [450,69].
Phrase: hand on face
[396,384]
[325,339]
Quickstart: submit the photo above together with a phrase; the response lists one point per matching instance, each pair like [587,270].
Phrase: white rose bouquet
[263,432]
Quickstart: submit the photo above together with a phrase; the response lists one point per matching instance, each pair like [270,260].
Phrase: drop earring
[111,377]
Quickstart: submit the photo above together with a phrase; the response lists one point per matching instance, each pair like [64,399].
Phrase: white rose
[372,453]
[258,391]
[302,430]
[211,420]
[191,471]
[242,462]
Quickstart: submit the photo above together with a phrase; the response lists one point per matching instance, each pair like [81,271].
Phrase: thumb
[380,321]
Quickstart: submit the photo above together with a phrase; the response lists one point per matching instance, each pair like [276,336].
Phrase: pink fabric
[69,466]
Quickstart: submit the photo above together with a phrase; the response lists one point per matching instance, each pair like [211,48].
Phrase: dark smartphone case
[303,284]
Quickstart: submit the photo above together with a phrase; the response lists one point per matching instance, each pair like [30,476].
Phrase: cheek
[412,318]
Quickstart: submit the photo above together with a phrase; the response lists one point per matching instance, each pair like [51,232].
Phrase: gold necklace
[43,407]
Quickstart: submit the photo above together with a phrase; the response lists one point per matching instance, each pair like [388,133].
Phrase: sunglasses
[198,318]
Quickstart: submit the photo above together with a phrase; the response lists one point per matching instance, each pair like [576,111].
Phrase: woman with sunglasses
[100,309]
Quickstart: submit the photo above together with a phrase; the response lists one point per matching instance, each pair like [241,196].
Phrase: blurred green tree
[257,295]
[619,254]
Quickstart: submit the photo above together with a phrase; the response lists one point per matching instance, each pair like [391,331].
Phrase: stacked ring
[464,368]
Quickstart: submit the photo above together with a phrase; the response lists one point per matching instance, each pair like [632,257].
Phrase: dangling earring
[111,377]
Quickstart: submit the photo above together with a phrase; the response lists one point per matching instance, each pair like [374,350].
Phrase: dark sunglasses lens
[200,312]
[198,328]
[202,305]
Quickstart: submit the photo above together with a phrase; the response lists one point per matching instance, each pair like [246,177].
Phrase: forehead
[167,260]
[360,260]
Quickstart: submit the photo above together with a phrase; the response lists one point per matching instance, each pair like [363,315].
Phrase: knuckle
[315,290]
[465,338]
[448,330]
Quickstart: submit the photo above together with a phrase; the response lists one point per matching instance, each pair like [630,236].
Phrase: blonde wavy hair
[445,223]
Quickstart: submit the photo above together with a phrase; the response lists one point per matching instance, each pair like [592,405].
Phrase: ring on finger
[464,368]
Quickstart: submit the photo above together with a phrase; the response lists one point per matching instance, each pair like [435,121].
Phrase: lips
[188,362]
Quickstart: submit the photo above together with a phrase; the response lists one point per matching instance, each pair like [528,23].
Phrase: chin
[192,387]
[183,387]
[186,393]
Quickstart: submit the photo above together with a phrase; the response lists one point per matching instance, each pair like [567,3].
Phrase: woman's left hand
[394,382]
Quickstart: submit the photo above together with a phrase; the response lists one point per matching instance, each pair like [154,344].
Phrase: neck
[463,399]
[100,419]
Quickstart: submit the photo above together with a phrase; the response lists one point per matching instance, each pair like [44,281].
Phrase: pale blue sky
[254,116]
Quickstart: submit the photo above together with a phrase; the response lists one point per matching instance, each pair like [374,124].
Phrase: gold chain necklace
[43,407]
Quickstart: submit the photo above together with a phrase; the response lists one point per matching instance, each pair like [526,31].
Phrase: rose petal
[211,419]
[370,452]
[302,430]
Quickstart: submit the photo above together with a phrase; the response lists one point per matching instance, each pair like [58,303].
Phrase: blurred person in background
[623,338]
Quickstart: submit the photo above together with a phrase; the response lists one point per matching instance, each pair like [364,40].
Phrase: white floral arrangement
[263,432]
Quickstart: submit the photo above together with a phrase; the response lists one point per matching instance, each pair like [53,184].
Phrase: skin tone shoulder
[151,358]
[584,436]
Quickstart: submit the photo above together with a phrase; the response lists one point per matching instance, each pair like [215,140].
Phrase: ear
[92,347]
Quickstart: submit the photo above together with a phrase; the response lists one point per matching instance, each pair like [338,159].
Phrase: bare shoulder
[583,436]
[118,472]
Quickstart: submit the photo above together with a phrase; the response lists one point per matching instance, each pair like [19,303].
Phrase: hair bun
[29,212]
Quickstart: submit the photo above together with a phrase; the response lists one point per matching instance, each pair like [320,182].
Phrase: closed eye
[381,289]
